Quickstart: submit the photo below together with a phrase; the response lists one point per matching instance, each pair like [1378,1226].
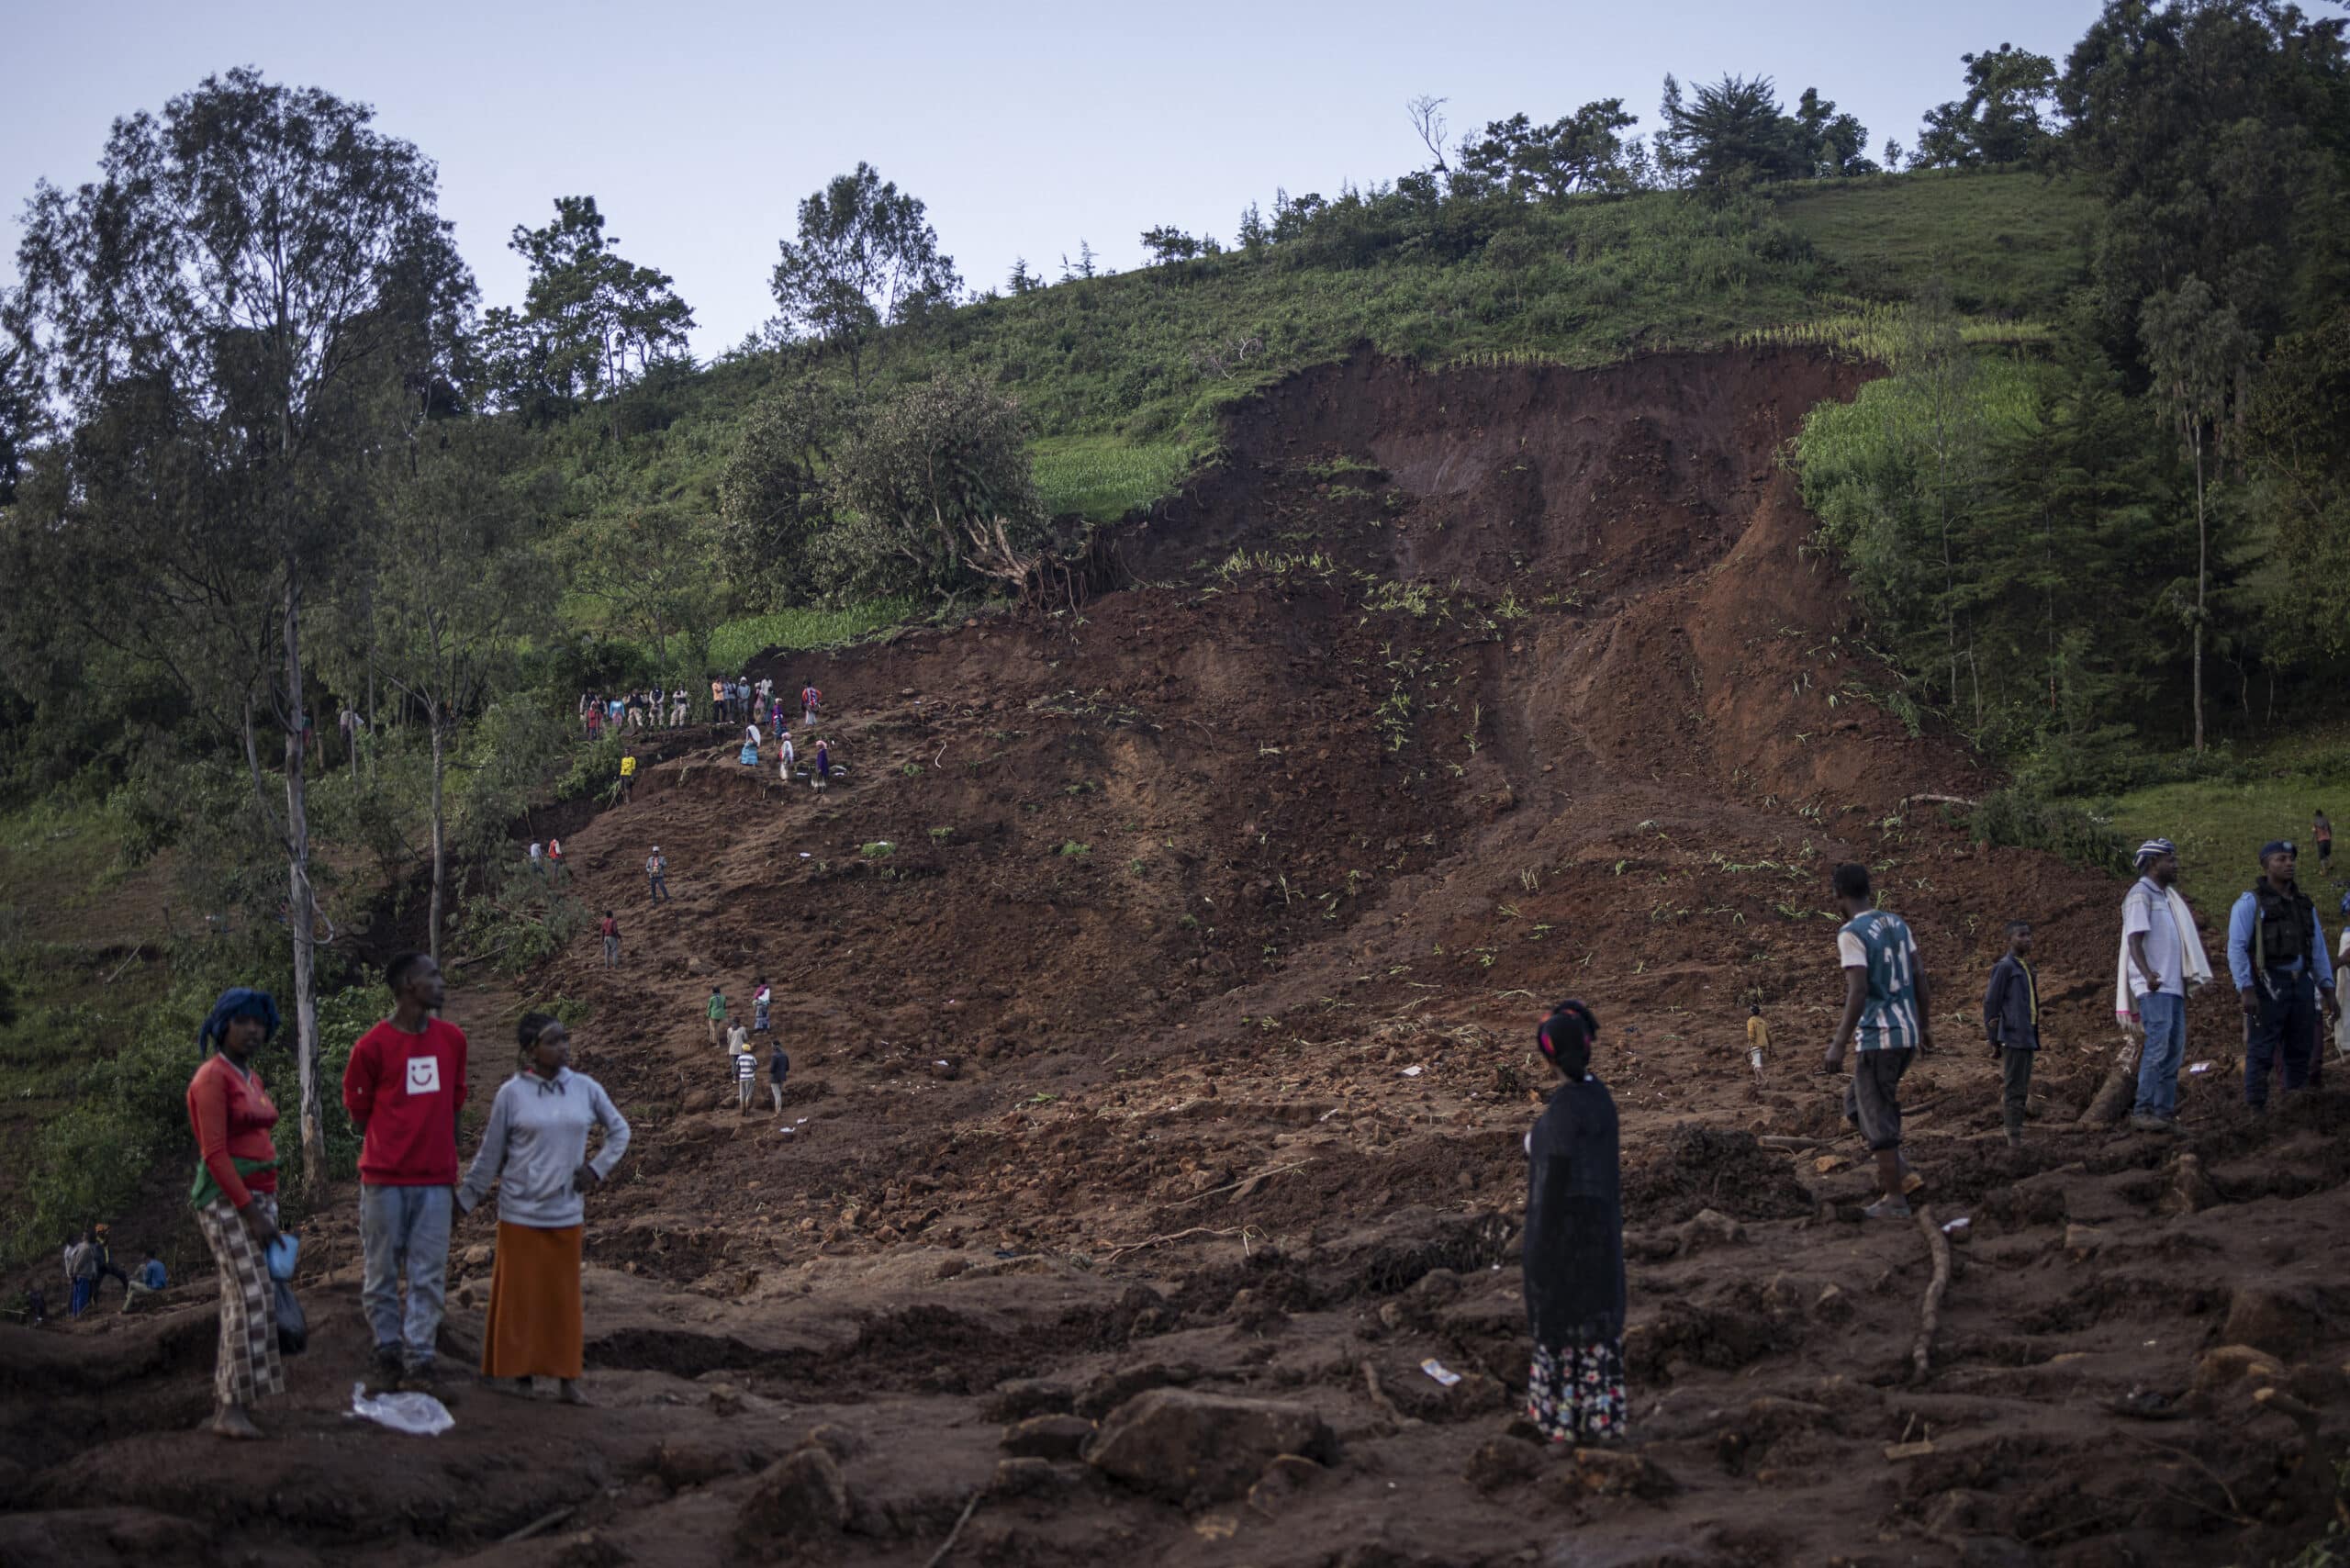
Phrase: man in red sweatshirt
[403,1088]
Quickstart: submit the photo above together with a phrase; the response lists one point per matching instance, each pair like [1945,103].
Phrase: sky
[698,125]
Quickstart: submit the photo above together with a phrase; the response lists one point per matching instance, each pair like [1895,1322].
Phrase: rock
[479,1255]
[1709,1227]
[834,1440]
[725,1399]
[2223,1364]
[2080,1240]
[1833,1306]
[1204,1446]
[1017,1398]
[1027,1476]
[1048,1437]
[2190,1191]
[798,1503]
[681,1462]
[1112,1389]
[1287,1478]
[697,965]
[1501,1461]
[1613,1472]
[2284,1322]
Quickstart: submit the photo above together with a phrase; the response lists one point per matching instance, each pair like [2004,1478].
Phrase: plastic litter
[283,1254]
[1958,1227]
[1440,1371]
[1412,1071]
[418,1415]
[2200,1067]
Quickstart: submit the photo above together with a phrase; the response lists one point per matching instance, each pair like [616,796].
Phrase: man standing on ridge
[715,1011]
[2011,1019]
[1886,1018]
[2321,834]
[2283,974]
[403,1089]
[656,874]
[2156,938]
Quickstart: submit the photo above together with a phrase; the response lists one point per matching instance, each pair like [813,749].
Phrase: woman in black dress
[1574,1245]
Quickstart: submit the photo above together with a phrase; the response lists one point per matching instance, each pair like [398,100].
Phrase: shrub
[2017,818]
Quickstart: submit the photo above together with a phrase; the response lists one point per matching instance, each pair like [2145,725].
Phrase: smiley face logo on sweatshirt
[424,1075]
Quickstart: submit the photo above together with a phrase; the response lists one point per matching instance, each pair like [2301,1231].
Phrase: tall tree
[1731,133]
[452,585]
[256,274]
[1515,157]
[2004,118]
[1833,145]
[927,470]
[867,256]
[2197,350]
[773,498]
[591,321]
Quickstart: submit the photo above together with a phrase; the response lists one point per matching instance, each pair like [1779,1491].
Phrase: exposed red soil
[1192,1053]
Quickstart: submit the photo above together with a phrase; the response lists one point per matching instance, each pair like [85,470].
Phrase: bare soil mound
[1159,984]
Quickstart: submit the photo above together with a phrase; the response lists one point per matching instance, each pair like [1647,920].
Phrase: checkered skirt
[249,1366]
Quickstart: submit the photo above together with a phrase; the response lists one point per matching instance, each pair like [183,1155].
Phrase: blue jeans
[405,1230]
[79,1302]
[2165,1017]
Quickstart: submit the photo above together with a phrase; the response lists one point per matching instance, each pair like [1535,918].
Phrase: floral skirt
[1575,1394]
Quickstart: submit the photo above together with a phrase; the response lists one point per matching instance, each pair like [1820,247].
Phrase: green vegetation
[735,643]
[2010,245]
[1102,479]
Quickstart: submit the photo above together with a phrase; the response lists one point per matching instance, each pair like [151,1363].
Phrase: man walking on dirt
[2284,976]
[656,874]
[716,1013]
[1887,1020]
[1758,1041]
[2011,1019]
[608,928]
[2155,967]
[403,1089]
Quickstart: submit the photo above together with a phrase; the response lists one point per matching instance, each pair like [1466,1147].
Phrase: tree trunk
[301,903]
[2202,581]
[440,850]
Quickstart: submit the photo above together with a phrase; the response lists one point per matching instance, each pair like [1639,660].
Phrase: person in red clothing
[235,1198]
[403,1089]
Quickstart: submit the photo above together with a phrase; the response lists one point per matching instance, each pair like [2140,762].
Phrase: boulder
[1613,1472]
[1193,1447]
[2284,1321]
[1019,1397]
[2224,1364]
[798,1504]
[1709,1227]
[1501,1461]
[681,1462]
[1048,1437]
[2190,1190]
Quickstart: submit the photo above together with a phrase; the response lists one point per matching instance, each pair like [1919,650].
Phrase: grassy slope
[2220,823]
[1124,404]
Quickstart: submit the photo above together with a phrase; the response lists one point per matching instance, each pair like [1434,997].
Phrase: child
[1574,1245]
[779,1068]
[2011,1019]
[716,1013]
[759,1000]
[1758,1041]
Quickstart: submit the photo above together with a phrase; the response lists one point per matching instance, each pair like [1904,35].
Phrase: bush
[2018,819]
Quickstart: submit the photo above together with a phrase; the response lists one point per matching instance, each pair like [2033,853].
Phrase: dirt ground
[1160,984]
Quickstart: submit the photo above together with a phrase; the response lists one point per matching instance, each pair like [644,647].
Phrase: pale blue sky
[698,124]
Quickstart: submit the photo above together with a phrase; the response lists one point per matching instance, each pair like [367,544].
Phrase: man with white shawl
[2162,959]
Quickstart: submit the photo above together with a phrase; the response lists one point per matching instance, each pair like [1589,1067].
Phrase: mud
[1160,984]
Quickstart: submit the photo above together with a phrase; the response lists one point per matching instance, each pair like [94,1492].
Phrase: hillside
[1158,981]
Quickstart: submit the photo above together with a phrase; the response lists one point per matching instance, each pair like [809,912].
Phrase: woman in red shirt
[235,1197]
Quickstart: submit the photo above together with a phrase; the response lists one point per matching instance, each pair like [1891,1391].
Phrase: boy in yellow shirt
[1758,1040]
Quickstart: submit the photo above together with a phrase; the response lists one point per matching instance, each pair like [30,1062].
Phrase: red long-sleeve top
[231,1114]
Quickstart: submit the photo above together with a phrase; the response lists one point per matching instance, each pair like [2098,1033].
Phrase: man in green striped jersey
[1886,1022]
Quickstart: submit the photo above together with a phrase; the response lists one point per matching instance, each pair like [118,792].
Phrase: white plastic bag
[418,1415]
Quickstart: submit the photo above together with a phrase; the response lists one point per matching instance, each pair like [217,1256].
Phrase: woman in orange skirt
[535,1152]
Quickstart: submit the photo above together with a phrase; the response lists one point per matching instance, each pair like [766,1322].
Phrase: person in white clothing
[2156,968]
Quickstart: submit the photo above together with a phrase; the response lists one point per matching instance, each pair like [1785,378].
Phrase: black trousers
[2283,1037]
[2015,1085]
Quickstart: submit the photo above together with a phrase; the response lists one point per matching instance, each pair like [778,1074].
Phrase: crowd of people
[731,701]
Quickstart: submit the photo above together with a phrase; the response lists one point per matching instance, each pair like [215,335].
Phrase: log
[2119,1091]
[1930,1311]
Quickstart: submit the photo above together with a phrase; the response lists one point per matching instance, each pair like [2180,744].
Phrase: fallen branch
[1941,800]
[540,1525]
[1790,1145]
[948,1544]
[1115,1253]
[477,957]
[1228,1186]
[1386,1406]
[1930,1312]
[124,964]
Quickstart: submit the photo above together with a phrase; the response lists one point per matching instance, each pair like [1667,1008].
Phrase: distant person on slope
[779,1068]
[2284,976]
[2160,956]
[2011,1020]
[656,874]
[1886,1018]
[750,757]
[628,775]
[746,1067]
[403,1090]
[811,701]
[1757,1042]
[823,765]
[2321,834]
[1574,1245]
[609,929]
[789,756]
[760,1001]
[535,1151]
[235,1199]
[715,1011]
[81,1273]
[150,1278]
[679,701]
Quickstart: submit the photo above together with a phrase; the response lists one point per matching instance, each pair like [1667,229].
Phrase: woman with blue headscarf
[1574,1244]
[235,1198]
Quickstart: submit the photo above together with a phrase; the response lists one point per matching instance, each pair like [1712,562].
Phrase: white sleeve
[1849,949]
[2135,917]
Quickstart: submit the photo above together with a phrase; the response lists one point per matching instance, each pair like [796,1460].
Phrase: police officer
[2276,954]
